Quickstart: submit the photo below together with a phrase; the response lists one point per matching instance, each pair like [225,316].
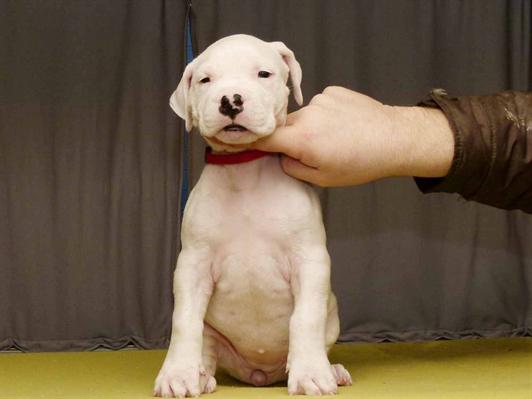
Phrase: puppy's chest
[250,232]
[251,217]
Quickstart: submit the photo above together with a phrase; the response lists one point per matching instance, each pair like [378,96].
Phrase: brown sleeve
[492,162]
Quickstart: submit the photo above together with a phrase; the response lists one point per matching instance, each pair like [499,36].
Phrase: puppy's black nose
[231,110]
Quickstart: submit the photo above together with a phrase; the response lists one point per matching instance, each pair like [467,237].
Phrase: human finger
[282,140]
[299,170]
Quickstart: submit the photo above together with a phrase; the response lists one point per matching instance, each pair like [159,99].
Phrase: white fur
[252,285]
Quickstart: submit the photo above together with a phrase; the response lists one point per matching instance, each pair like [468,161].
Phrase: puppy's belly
[251,306]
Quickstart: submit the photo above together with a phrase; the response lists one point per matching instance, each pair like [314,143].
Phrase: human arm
[479,147]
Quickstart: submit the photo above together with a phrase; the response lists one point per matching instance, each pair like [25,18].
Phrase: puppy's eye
[205,80]
[264,74]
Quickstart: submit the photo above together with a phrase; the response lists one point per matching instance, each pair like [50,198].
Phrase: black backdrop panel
[90,156]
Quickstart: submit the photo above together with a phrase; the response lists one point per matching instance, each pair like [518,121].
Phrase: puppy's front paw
[311,377]
[183,380]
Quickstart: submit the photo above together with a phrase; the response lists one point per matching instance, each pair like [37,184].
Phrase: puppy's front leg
[182,368]
[308,366]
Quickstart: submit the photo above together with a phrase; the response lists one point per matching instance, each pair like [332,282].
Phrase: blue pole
[189,56]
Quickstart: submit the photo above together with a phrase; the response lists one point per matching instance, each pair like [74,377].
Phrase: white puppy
[252,284]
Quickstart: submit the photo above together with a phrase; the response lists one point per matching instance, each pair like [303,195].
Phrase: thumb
[300,171]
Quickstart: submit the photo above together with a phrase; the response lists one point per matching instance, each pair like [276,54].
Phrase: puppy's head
[235,91]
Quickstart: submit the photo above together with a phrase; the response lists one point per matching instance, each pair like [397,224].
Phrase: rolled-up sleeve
[492,162]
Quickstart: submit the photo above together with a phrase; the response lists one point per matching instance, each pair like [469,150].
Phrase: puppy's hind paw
[341,374]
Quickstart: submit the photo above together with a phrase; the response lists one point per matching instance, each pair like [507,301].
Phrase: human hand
[345,138]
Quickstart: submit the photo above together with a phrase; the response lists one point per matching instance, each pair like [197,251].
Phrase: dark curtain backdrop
[90,174]
[89,156]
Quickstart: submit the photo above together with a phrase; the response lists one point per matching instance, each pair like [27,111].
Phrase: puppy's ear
[179,100]
[295,69]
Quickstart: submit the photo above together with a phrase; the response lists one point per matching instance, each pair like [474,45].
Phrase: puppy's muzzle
[231,109]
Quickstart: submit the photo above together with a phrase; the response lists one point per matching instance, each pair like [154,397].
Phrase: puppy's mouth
[233,127]
[234,134]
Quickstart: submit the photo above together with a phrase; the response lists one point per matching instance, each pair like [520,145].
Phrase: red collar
[234,158]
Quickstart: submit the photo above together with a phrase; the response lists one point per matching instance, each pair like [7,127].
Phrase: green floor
[500,368]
